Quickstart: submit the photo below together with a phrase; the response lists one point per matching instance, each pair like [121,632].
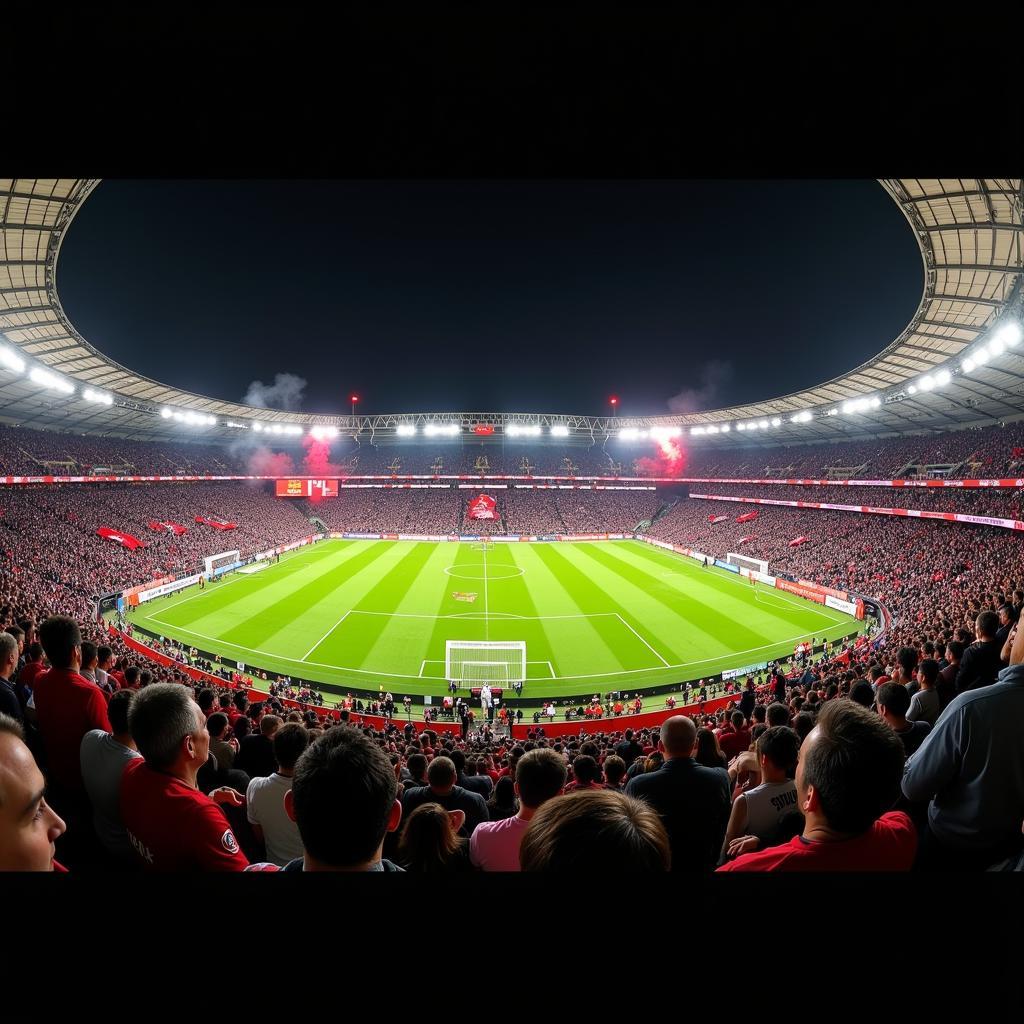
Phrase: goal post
[221,563]
[485,661]
[753,564]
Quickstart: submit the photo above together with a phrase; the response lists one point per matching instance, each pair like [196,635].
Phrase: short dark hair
[458,758]
[417,765]
[614,769]
[59,636]
[541,775]
[595,830]
[894,696]
[584,769]
[441,772]
[956,648]
[987,624]
[290,742]
[103,652]
[803,724]
[241,700]
[781,745]
[855,765]
[863,693]
[907,658]
[88,651]
[131,674]
[343,792]
[118,710]
[216,724]
[34,651]
[778,714]
[206,698]
[928,670]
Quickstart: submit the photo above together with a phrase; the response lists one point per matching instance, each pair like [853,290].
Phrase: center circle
[480,572]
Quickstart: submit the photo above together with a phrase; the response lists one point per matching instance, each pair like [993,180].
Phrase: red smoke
[670,460]
[264,462]
[318,460]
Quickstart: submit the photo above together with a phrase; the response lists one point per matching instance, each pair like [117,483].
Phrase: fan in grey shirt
[103,757]
[925,704]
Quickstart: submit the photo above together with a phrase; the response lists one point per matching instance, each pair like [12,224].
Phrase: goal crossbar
[485,661]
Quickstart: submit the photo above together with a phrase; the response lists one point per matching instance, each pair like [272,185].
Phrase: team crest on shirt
[229,842]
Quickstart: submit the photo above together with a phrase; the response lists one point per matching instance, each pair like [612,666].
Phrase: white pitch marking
[324,637]
[642,640]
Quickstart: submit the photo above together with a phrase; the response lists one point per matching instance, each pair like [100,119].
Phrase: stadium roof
[969,232]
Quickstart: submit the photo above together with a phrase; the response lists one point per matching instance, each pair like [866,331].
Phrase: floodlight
[11,360]
[741,426]
[982,355]
[559,430]
[1009,334]
[405,430]
[776,421]
[996,346]
[968,365]
[323,432]
[927,382]
[912,390]
[763,424]
[943,377]
[725,428]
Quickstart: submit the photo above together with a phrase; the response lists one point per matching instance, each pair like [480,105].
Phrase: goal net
[225,561]
[753,564]
[475,662]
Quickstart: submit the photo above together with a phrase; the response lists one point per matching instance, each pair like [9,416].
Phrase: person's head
[954,652]
[430,838]
[417,765]
[62,641]
[778,714]
[118,711]
[862,693]
[849,769]
[206,700]
[8,655]
[504,794]
[131,676]
[893,703]
[540,775]
[585,770]
[614,770]
[706,750]
[986,626]
[104,657]
[344,800]
[269,724]
[1007,615]
[678,736]
[243,726]
[89,655]
[441,775]
[760,715]
[34,651]
[777,751]
[803,724]
[290,742]
[169,729]
[928,673]
[216,724]
[595,830]
[28,825]
[907,660]
[737,720]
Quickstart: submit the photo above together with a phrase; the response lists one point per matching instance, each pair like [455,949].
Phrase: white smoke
[285,393]
[705,395]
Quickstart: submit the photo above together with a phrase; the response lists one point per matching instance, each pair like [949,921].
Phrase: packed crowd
[51,531]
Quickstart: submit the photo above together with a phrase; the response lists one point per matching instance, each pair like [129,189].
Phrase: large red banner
[124,539]
[484,507]
[176,528]
[217,524]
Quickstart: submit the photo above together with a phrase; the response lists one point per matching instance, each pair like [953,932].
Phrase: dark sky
[480,296]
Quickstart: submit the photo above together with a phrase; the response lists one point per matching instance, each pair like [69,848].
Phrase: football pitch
[595,616]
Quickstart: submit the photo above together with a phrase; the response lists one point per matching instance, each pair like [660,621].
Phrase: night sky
[491,296]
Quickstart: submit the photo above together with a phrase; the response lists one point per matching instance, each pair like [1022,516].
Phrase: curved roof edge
[969,232]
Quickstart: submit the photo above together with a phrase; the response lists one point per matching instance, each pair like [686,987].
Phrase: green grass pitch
[596,616]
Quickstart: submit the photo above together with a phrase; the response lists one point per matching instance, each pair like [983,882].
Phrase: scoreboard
[307,488]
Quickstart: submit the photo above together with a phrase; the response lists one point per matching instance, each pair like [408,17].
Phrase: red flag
[797,541]
[483,507]
[217,524]
[746,518]
[125,539]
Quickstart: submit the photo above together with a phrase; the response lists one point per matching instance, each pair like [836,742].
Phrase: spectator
[893,704]
[9,703]
[417,765]
[925,704]
[264,798]
[344,799]
[221,746]
[540,777]
[707,752]
[255,754]
[946,686]
[761,811]
[629,750]
[441,789]
[981,662]
[431,842]
[30,672]
[847,779]
[104,756]
[737,739]
[585,774]
[29,827]
[614,772]
[596,831]
[863,694]
[691,799]
[481,784]
[171,825]
[503,803]
[971,769]
[67,707]
[778,714]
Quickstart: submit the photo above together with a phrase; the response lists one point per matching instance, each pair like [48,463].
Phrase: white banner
[167,588]
[840,606]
